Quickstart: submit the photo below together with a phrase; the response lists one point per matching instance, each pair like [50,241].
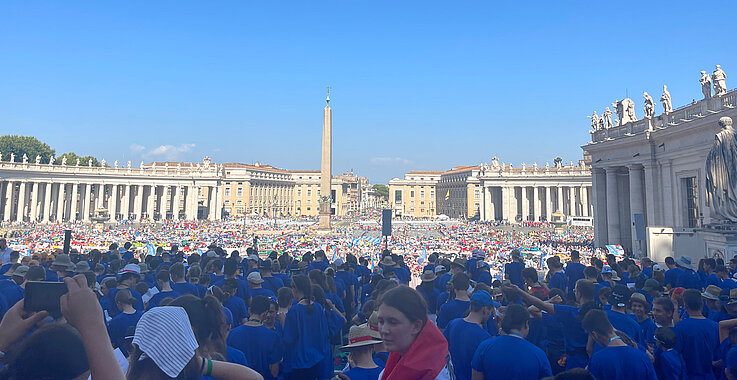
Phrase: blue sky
[422,85]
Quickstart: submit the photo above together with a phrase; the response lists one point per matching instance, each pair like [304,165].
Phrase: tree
[28,145]
[72,159]
[382,191]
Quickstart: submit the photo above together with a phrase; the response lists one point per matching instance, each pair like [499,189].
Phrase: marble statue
[607,115]
[625,111]
[116,164]
[601,122]
[103,163]
[495,162]
[64,161]
[129,164]
[524,166]
[1,157]
[649,105]
[665,100]
[721,173]
[534,166]
[594,121]
[141,165]
[720,85]
[25,158]
[89,162]
[705,84]
[38,159]
[12,157]
[51,160]
[78,161]
[547,165]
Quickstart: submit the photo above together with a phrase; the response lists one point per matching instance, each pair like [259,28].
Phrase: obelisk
[326,167]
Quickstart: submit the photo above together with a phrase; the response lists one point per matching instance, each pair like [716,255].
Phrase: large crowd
[434,301]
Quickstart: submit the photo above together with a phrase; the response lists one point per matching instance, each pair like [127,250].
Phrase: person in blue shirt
[119,325]
[568,316]
[162,280]
[8,262]
[179,284]
[360,347]
[429,292]
[456,307]
[261,346]
[255,288]
[687,277]
[442,277]
[230,271]
[13,289]
[320,263]
[276,272]
[464,335]
[672,274]
[725,282]
[574,270]
[305,334]
[233,303]
[510,355]
[669,364]
[618,316]
[640,313]
[513,270]
[270,282]
[557,278]
[617,360]
[698,338]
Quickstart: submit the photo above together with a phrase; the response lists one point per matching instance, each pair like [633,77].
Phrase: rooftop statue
[12,157]
[625,111]
[77,161]
[51,160]
[25,158]
[705,84]
[649,105]
[64,161]
[607,118]
[38,159]
[665,100]
[594,121]
[719,79]
[116,164]
[721,173]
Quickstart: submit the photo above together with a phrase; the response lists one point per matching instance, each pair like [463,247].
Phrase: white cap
[130,268]
[255,277]
[172,351]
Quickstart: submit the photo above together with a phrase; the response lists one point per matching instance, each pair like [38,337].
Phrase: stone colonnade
[532,203]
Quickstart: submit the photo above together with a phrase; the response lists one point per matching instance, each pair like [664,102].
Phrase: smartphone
[41,295]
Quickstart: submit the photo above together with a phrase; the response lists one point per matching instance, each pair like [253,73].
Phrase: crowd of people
[471,302]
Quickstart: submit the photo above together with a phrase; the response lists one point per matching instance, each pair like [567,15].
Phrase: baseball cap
[439,269]
[130,268]
[620,296]
[639,297]
[606,269]
[652,284]
[20,271]
[253,257]
[255,277]
[481,298]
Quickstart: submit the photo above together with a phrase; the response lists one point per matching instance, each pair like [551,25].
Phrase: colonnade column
[33,207]
[560,199]
[47,202]
[218,204]
[87,200]
[74,200]
[612,206]
[125,201]
[537,208]
[585,201]
[21,201]
[598,198]
[525,203]
[112,203]
[177,198]
[211,203]
[60,202]
[637,206]
[548,204]
[9,190]
[572,202]
[150,204]
[138,205]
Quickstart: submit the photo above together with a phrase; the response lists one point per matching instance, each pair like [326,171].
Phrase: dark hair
[62,351]
[605,292]
[530,274]
[666,336]
[231,266]
[585,288]
[596,320]
[124,296]
[670,261]
[259,305]
[408,301]
[575,374]
[330,281]
[575,254]
[37,273]
[665,303]
[302,284]
[163,275]
[721,269]
[319,296]
[556,292]
[230,287]
[692,300]
[515,318]
[194,273]
[554,262]
[284,297]
[141,287]
[176,271]
[590,272]
[461,281]
[318,278]
[207,319]
[147,369]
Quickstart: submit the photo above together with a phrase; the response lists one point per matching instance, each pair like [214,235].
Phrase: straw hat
[359,336]
[711,292]
[428,276]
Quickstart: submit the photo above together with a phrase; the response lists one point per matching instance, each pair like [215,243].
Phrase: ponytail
[207,319]
[302,284]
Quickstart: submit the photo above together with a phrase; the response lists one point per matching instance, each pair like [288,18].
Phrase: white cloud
[390,161]
[162,152]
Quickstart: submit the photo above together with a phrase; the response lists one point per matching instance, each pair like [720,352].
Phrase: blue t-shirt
[304,337]
[158,297]
[671,276]
[647,329]
[12,293]
[558,281]
[575,336]
[185,288]
[442,282]
[272,283]
[238,308]
[689,280]
[112,308]
[451,310]
[463,340]
[484,276]
[364,373]
[574,272]
[261,292]
[621,363]
[513,271]
[669,365]
[260,345]
[319,265]
[118,327]
[512,357]
[625,323]
[698,340]
[431,298]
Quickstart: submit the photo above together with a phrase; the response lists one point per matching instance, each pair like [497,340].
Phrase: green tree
[28,145]
[382,191]
[72,159]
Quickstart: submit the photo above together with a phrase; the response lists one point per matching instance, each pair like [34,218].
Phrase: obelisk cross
[328,98]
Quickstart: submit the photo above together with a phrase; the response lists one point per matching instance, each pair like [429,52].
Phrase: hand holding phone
[41,295]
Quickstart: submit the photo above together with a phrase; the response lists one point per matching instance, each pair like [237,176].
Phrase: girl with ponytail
[305,334]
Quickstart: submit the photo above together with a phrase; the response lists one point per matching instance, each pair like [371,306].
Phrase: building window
[299,192]
[239,192]
[692,201]
[397,196]
[412,194]
[432,193]
[309,193]
[227,191]
[239,202]
[422,193]
[476,194]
